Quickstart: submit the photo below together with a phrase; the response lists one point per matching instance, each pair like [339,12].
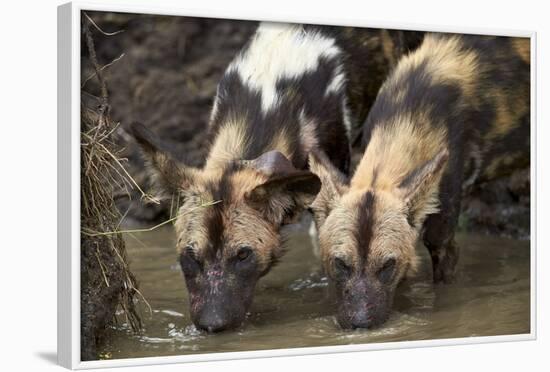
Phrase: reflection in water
[293,306]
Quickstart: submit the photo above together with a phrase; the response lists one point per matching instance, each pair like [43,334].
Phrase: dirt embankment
[106,282]
[167,79]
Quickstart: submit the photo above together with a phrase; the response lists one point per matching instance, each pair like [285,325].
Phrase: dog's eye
[245,261]
[386,272]
[341,268]
[244,253]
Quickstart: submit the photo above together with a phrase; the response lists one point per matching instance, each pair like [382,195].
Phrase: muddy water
[293,306]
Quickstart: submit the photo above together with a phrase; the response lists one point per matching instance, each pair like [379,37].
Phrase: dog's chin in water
[361,323]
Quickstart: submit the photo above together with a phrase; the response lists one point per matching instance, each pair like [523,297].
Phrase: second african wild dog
[453,112]
[284,95]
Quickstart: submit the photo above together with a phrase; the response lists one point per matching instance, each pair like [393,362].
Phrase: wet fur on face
[220,259]
[217,209]
[367,240]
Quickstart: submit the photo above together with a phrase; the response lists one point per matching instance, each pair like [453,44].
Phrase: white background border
[28,149]
[74,340]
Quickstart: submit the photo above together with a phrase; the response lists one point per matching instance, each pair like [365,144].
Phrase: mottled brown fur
[454,99]
[220,205]
[191,227]
[372,54]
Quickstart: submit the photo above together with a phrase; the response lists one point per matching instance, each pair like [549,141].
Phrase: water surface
[294,307]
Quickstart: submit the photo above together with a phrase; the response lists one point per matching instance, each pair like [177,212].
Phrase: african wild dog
[454,111]
[283,96]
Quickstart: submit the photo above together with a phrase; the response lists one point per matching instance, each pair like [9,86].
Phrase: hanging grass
[108,287]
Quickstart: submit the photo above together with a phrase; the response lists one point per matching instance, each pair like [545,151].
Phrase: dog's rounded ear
[169,176]
[303,186]
[284,189]
[271,163]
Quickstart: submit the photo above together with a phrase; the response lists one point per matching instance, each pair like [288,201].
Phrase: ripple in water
[308,283]
[291,308]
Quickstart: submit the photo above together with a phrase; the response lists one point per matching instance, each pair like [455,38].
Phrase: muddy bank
[106,283]
[167,79]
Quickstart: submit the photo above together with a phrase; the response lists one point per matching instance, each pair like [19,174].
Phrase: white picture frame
[69,188]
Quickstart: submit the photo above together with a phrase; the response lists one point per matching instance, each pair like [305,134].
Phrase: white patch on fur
[476,155]
[347,118]
[214,110]
[337,82]
[314,236]
[336,86]
[279,51]
[308,135]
